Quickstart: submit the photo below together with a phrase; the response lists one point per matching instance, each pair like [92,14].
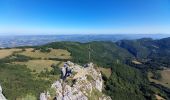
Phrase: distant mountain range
[33,40]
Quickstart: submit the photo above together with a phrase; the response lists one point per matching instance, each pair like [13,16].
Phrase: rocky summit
[77,83]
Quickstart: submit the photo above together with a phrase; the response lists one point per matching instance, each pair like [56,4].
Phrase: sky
[84,16]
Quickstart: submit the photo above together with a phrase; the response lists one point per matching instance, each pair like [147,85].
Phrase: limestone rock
[2,97]
[79,83]
[44,96]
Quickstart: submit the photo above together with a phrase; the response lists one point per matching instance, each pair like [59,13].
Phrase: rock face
[68,93]
[78,83]
[2,97]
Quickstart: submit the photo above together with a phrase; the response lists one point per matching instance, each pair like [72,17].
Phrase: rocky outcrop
[78,83]
[2,97]
[68,93]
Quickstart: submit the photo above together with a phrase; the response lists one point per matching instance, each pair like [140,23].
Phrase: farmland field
[55,53]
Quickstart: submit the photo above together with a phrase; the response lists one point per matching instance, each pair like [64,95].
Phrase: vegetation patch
[106,71]
[95,94]
[15,58]
[125,83]
[7,52]
[159,97]
[89,78]
[136,62]
[164,78]
[39,65]
[28,97]
[43,54]
[52,92]
[18,82]
[102,53]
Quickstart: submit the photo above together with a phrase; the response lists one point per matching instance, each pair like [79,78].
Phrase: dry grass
[39,65]
[7,52]
[106,71]
[159,97]
[136,62]
[165,80]
[166,77]
[55,53]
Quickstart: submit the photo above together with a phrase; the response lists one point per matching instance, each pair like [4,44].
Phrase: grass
[52,92]
[28,97]
[95,94]
[7,52]
[159,97]
[55,53]
[136,62]
[106,71]
[165,78]
[89,78]
[18,83]
[39,65]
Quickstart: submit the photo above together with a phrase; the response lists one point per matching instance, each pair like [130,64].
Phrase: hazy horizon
[44,34]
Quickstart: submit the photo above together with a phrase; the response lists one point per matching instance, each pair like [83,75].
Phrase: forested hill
[146,48]
[102,53]
[106,52]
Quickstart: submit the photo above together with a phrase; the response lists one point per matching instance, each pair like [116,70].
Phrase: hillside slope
[156,51]
[102,53]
